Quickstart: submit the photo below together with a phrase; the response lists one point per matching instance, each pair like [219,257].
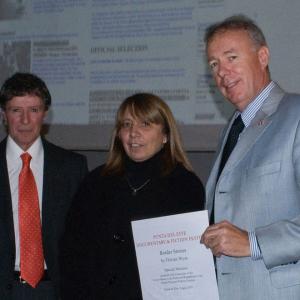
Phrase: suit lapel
[50,199]
[246,141]
[6,215]
[253,132]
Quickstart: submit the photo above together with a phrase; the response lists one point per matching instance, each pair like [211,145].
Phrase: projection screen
[94,53]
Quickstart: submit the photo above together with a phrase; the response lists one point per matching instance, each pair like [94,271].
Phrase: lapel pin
[262,122]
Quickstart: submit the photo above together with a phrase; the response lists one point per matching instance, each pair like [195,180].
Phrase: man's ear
[3,116]
[45,114]
[264,56]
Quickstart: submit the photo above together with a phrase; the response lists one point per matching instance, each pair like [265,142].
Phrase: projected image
[14,57]
[11,9]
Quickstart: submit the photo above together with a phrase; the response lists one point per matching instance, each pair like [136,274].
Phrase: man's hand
[226,239]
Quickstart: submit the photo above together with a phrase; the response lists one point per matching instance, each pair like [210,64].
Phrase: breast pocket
[261,184]
[264,169]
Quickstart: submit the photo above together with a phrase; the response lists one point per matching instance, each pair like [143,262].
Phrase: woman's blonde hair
[149,107]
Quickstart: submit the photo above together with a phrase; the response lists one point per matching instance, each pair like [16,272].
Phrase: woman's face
[140,138]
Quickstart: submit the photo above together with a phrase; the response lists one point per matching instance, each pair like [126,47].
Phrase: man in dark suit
[24,100]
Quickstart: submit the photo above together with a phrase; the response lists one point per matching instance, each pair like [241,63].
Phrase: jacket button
[9,286]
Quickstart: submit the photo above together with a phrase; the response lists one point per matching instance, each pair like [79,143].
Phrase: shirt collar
[13,150]
[249,113]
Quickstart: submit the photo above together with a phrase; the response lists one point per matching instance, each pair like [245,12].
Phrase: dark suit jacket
[63,171]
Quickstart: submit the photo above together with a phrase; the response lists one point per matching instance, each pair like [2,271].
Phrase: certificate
[172,263]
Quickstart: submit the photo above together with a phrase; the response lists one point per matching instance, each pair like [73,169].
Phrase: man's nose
[25,117]
[223,70]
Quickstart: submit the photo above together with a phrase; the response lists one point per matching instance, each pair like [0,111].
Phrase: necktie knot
[26,158]
[238,124]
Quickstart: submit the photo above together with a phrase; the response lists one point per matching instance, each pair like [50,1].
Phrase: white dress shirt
[14,165]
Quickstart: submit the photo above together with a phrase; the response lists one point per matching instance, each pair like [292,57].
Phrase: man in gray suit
[25,99]
[253,198]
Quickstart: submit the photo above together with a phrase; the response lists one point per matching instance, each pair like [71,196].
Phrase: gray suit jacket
[259,190]
[63,171]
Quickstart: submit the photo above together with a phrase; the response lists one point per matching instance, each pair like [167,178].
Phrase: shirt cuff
[254,247]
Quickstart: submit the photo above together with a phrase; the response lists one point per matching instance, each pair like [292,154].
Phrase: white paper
[172,263]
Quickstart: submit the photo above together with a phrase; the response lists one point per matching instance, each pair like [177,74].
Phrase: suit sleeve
[280,242]
[75,261]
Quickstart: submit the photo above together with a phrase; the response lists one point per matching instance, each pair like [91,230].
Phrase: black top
[98,257]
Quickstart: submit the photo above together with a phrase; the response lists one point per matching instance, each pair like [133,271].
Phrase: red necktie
[31,248]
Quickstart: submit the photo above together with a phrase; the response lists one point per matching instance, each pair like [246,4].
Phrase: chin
[138,159]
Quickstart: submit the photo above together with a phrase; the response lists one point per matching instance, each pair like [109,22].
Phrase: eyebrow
[18,106]
[231,50]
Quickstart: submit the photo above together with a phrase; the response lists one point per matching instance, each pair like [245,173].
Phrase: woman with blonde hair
[147,174]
